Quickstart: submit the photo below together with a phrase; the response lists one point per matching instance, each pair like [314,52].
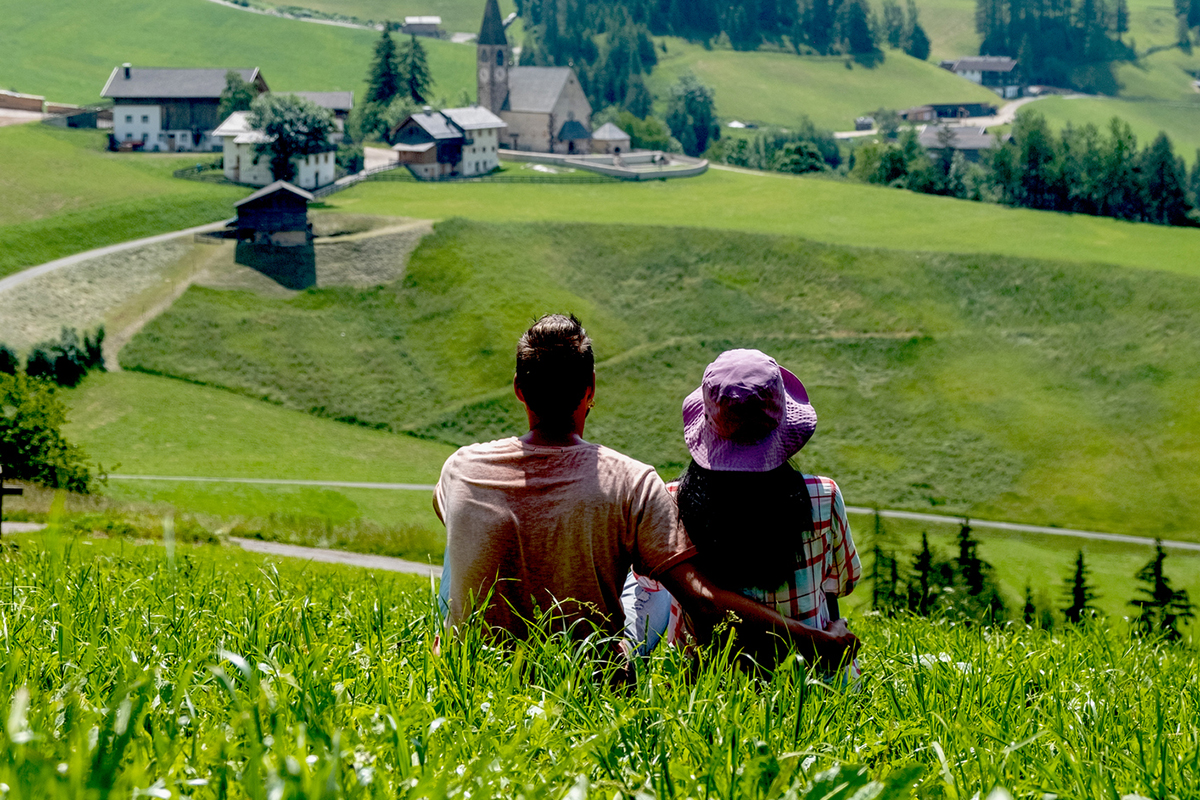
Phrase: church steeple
[493,59]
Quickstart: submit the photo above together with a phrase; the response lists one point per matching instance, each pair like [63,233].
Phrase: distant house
[243,165]
[545,108]
[275,215]
[340,103]
[610,140]
[998,73]
[962,110]
[918,114]
[16,101]
[453,142]
[969,141]
[423,26]
[173,110]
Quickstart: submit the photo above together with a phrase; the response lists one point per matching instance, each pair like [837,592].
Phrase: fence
[406,176]
[199,169]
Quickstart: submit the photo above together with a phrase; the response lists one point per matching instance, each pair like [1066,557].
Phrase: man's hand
[839,648]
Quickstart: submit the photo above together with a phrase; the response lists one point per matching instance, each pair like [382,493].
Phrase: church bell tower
[493,60]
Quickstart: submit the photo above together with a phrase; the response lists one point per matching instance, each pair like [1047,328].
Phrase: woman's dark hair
[748,527]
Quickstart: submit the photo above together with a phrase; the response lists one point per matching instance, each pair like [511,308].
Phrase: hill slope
[998,387]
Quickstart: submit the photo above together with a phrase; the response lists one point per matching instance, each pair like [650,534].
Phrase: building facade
[454,142]
[241,164]
[169,110]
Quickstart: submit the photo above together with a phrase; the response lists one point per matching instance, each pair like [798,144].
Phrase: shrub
[67,360]
[32,445]
[9,363]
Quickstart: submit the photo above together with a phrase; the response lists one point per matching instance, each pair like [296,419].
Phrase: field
[1181,121]
[201,671]
[781,88]
[457,15]
[981,385]
[61,193]
[67,50]
[822,210]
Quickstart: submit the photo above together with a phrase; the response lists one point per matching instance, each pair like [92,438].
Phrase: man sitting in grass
[548,522]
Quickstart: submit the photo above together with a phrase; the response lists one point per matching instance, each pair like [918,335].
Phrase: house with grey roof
[243,164]
[340,104]
[970,141]
[453,142]
[172,110]
[998,73]
[544,108]
[610,140]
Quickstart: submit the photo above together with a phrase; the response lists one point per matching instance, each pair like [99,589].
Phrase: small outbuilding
[969,141]
[610,140]
[423,26]
[275,215]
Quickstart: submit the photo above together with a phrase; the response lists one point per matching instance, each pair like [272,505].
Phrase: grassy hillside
[823,210]
[61,192]
[67,50]
[979,385]
[457,15]
[1181,121]
[780,88]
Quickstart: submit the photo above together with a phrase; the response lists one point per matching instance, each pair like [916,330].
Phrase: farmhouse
[340,104]
[243,165]
[610,140]
[449,143]
[544,108]
[969,141]
[174,110]
[423,26]
[276,215]
[998,73]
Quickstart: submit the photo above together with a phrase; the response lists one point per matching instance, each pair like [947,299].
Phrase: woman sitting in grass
[760,526]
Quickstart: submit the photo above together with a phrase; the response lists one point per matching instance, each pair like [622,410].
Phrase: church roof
[573,129]
[492,30]
[536,89]
[609,133]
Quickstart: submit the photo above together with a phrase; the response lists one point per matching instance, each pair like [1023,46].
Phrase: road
[1005,116]
[944,519]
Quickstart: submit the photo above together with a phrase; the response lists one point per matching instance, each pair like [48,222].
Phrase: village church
[545,107]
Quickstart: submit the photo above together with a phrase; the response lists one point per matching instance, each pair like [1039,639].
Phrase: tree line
[1082,170]
[963,587]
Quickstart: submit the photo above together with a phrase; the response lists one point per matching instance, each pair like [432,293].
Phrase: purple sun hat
[749,414]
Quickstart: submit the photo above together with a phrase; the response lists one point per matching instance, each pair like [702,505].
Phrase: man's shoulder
[618,462]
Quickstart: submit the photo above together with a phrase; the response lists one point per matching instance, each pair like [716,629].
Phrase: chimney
[428,109]
[126,66]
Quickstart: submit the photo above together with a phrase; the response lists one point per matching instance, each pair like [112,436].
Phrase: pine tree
[1079,593]
[1121,18]
[1165,182]
[921,589]
[1194,182]
[856,28]
[413,67]
[970,566]
[1163,608]
[1029,614]
[384,80]
[894,24]
[916,41]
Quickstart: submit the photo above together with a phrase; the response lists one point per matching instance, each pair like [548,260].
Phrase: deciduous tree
[236,96]
[692,116]
[294,127]
[32,443]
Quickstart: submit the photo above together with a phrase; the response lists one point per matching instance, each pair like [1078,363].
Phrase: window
[499,58]
[129,117]
[145,119]
[128,135]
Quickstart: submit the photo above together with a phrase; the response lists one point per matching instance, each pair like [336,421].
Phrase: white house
[243,165]
[454,142]
[172,110]
[998,73]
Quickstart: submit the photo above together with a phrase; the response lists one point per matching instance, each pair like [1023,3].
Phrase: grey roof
[334,101]
[573,129]
[964,138]
[436,125]
[473,118]
[609,133]
[984,64]
[535,89]
[148,82]
[492,30]
[272,188]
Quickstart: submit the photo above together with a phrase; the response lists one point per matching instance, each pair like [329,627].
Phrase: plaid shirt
[829,565]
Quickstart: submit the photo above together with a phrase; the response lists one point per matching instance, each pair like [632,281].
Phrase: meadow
[66,51]
[969,385]
[1181,121]
[457,15]
[205,673]
[61,193]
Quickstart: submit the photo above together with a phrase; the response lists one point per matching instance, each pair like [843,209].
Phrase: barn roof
[190,84]
[270,189]
[492,30]
[964,138]
[436,124]
[573,129]
[333,101]
[473,118]
[609,133]
[536,89]
[984,64]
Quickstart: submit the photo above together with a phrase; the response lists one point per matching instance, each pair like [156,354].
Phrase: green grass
[1003,388]
[61,193]
[194,669]
[781,88]
[67,50]
[823,210]
[457,15]
[1180,121]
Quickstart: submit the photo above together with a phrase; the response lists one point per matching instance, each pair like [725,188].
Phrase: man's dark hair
[555,365]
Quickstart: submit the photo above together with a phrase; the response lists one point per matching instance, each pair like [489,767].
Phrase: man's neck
[540,438]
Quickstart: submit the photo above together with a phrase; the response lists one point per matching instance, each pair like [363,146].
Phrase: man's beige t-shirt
[536,525]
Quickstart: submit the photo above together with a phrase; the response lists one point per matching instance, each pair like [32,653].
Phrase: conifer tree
[970,566]
[1165,178]
[1079,593]
[1029,614]
[1163,608]
[916,41]
[384,80]
[413,66]
[1194,182]
[921,589]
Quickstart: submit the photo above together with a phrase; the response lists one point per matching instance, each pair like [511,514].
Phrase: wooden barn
[275,215]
